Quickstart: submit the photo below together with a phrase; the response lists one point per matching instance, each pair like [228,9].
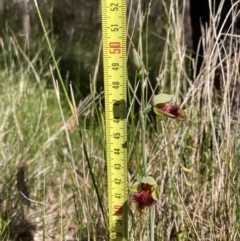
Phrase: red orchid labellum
[144,194]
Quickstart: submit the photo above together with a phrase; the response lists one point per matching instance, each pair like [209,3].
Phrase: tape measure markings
[115,80]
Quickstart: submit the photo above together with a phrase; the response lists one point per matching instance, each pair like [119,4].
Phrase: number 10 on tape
[115,82]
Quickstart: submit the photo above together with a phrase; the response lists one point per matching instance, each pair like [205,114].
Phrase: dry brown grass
[195,162]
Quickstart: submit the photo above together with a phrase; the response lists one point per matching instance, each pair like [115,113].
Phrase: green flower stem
[151,225]
[151,211]
[143,124]
[142,120]
[144,110]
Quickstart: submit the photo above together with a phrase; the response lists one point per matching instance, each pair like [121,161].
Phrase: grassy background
[195,162]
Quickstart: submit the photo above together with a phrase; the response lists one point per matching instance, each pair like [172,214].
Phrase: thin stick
[189,218]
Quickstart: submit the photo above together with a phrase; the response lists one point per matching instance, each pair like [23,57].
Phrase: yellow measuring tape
[115,83]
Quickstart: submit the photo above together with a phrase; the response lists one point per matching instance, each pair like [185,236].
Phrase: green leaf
[161,99]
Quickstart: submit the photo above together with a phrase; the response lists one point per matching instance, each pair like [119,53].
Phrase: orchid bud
[137,60]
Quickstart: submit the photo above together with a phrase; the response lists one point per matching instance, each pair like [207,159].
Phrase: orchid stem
[143,124]
[142,119]
[144,156]
[152,220]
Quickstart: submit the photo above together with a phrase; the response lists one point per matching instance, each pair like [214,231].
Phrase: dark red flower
[145,194]
[144,198]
